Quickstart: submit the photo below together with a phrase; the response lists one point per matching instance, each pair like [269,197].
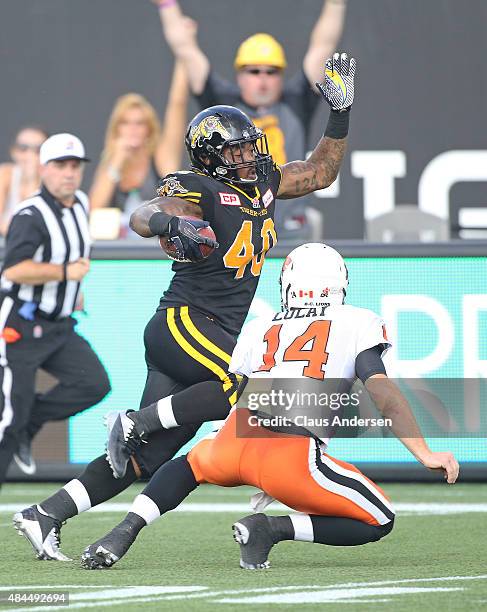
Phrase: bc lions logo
[206,129]
[170,187]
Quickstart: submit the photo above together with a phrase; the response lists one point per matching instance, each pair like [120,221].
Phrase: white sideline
[99,595]
[402,509]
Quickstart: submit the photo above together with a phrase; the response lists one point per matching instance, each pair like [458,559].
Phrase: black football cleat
[123,440]
[42,531]
[106,551]
[253,534]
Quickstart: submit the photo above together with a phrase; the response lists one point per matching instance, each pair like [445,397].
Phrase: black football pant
[183,347]
[26,346]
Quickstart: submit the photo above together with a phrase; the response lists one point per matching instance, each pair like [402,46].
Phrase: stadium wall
[392,280]
[416,133]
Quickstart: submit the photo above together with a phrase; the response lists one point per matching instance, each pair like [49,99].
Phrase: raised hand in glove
[338,86]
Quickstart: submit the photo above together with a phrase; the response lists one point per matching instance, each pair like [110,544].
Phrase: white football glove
[337,88]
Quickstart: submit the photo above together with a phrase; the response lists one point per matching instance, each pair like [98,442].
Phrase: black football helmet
[225,129]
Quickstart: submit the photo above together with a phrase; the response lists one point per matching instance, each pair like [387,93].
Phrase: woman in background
[20,179]
[137,152]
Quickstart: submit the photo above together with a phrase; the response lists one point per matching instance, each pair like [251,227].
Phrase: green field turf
[435,559]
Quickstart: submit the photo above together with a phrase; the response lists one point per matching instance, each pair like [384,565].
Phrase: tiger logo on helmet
[219,129]
[205,130]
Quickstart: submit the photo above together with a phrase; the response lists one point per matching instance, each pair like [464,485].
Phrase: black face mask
[262,162]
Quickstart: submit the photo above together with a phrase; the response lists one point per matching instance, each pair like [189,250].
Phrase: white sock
[76,490]
[144,507]
[303,527]
[166,415]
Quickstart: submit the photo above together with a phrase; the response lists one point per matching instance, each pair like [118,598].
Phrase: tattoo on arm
[318,171]
[139,220]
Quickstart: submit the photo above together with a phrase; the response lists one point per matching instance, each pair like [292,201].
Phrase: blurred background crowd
[126,76]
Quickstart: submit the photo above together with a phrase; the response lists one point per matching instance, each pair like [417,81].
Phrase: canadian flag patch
[305,293]
[229,199]
[267,198]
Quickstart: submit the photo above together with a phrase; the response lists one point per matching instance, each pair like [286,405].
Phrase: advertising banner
[435,310]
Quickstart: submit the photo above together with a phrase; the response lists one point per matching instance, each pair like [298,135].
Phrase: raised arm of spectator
[180,33]
[5,178]
[107,176]
[170,148]
[324,38]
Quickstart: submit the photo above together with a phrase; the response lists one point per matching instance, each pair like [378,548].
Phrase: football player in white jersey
[314,281]
[315,336]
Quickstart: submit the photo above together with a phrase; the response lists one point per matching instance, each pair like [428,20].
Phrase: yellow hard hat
[260,49]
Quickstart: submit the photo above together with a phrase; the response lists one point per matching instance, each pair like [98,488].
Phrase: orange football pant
[291,469]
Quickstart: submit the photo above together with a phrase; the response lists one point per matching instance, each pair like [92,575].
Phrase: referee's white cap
[62,146]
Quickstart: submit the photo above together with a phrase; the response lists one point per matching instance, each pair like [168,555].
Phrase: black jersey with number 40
[223,285]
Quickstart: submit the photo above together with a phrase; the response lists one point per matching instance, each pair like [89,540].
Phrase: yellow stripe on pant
[203,340]
[196,355]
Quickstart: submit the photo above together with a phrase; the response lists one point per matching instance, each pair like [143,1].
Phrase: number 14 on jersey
[309,347]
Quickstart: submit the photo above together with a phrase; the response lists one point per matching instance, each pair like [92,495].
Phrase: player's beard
[248,174]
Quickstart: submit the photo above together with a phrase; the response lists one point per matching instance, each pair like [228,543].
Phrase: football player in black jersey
[233,186]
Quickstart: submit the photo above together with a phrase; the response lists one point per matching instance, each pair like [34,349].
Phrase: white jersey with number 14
[311,342]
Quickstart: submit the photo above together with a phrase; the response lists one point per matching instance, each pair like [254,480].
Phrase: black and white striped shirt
[46,231]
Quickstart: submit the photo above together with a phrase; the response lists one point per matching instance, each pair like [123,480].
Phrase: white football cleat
[42,531]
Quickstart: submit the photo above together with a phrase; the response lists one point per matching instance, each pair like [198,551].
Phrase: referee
[46,258]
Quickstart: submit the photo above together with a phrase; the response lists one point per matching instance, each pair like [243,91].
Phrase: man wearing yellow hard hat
[282,108]
[260,49]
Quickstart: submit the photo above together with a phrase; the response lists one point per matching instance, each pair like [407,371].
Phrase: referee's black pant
[183,347]
[28,345]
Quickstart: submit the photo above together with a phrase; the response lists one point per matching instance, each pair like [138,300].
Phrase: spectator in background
[282,108]
[20,179]
[137,152]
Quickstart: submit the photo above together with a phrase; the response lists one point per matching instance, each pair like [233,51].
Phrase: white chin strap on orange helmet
[313,274]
